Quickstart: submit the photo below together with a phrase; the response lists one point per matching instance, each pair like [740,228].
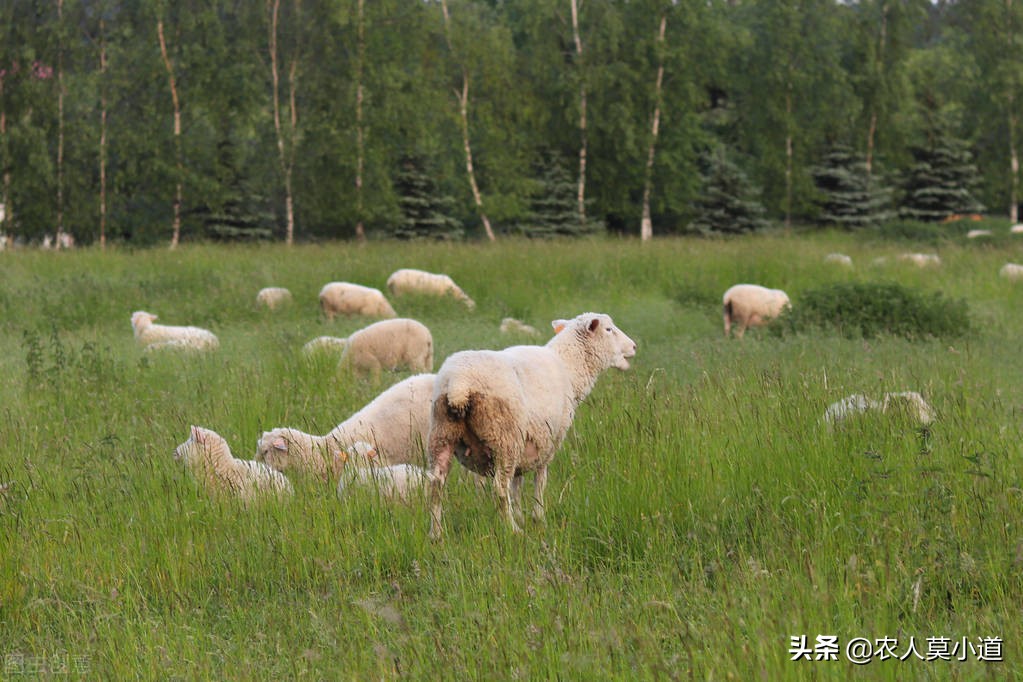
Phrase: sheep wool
[410,281]
[510,325]
[148,333]
[502,413]
[1011,271]
[391,345]
[209,458]
[273,297]
[345,298]
[395,482]
[751,305]
[921,260]
[838,259]
[325,344]
[909,402]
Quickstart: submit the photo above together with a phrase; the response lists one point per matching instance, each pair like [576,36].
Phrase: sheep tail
[459,398]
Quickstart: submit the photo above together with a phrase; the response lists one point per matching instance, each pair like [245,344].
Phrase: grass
[699,515]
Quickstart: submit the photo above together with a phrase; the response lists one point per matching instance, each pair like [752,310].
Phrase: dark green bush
[866,310]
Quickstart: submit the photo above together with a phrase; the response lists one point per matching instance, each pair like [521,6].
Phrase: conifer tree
[850,197]
[426,212]
[728,204]
[941,181]
[554,205]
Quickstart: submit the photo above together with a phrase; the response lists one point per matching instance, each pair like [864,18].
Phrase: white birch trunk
[646,227]
[582,113]
[179,189]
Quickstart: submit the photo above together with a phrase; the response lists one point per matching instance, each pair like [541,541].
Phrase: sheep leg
[504,475]
[516,489]
[441,456]
[539,485]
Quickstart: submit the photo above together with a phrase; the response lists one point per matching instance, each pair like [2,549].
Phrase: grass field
[699,516]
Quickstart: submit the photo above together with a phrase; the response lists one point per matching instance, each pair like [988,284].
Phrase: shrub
[867,310]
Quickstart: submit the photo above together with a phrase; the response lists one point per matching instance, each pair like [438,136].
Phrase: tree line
[156,121]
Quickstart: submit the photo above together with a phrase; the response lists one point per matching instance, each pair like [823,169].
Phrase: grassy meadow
[699,515]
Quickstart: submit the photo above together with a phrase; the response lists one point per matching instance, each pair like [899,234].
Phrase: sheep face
[140,319]
[272,448]
[201,442]
[600,333]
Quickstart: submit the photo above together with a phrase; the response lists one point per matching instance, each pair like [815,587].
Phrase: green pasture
[699,514]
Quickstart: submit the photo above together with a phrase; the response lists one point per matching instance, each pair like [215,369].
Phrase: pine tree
[554,205]
[849,197]
[427,214]
[941,180]
[729,204]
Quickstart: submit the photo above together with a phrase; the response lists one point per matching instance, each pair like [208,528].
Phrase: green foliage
[728,204]
[940,182]
[427,213]
[554,205]
[849,197]
[868,309]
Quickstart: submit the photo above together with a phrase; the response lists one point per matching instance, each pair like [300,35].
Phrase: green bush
[869,309]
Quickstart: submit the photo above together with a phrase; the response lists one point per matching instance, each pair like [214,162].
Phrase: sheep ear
[594,324]
[371,453]
[559,325]
[280,444]
[196,434]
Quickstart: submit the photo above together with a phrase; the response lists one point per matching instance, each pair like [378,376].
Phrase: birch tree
[646,228]
[287,136]
[577,40]
[178,160]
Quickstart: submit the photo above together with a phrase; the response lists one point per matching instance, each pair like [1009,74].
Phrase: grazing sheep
[1011,271]
[751,305]
[503,413]
[910,401]
[390,345]
[921,260]
[345,298]
[838,259]
[396,422]
[273,297]
[976,234]
[358,467]
[510,325]
[1016,229]
[209,458]
[147,333]
[409,281]
[325,344]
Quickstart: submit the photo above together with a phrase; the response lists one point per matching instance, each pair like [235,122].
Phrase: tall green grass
[699,513]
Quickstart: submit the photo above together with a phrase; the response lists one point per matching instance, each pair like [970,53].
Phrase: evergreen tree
[554,205]
[426,212]
[729,204]
[850,197]
[941,180]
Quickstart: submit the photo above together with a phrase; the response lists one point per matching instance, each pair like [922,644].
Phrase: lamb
[345,298]
[147,333]
[390,345]
[1011,271]
[396,482]
[839,259]
[273,297]
[503,413]
[396,423]
[325,344]
[921,260]
[910,401]
[209,458]
[510,325]
[407,280]
[751,305]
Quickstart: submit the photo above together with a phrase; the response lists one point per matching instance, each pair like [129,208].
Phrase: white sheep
[977,234]
[64,240]
[273,297]
[208,457]
[503,413]
[1011,271]
[358,467]
[325,344]
[410,281]
[751,305]
[839,259]
[396,423]
[147,333]
[345,298]
[395,344]
[1016,229]
[510,325]
[921,260]
[909,401]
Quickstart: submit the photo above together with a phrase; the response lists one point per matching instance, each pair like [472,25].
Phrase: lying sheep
[325,344]
[396,423]
[910,401]
[147,333]
[273,297]
[503,413]
[345,298]
[1011,271]
[409,281]
[389,345]
[358,467]
[838,259]
[921,260]
[1016,229]
[510,325]
[751,305]
[977,234]
[209,458]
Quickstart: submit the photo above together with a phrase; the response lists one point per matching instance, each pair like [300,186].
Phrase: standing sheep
[345,298]
[409,281]
[396,423]
[390,345]
[502,413]
[209,458]
[358,467]
[273,297]
[751,305]
[147,333]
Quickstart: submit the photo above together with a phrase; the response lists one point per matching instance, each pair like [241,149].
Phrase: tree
[426,212]
[178,159]
[851,197]
[729,203]
[941,181]
[287,136]
[646,228]
[553,207]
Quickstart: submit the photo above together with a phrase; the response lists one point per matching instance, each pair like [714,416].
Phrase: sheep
[325,344]
[64,240]
[839,259]
[345,298]
[503,413]
[1011,271]
[1016,229]
[147,333]
[396,423]
[751,305]
[273,297]
[976,234]
[510,325]
[407,280]
[910,401]
[389,345]
[208,457]
[921,260]
[357,464]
